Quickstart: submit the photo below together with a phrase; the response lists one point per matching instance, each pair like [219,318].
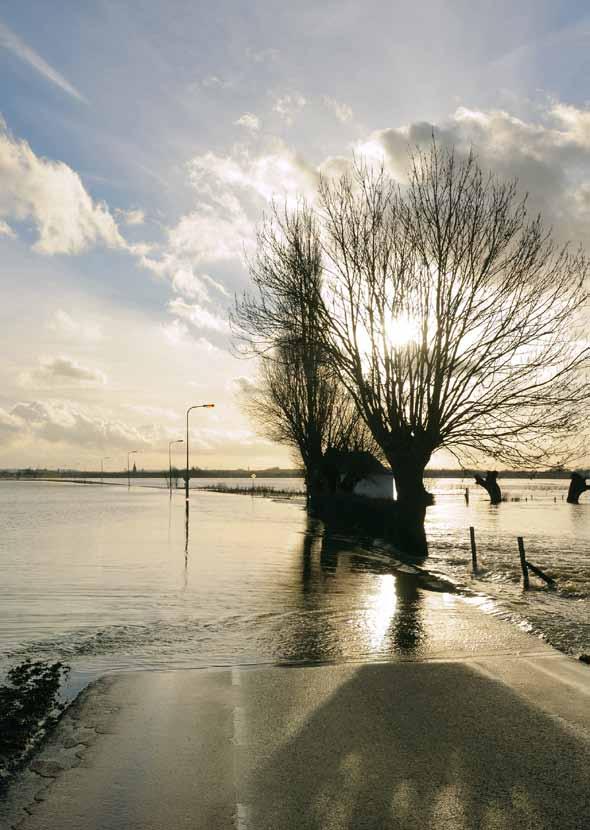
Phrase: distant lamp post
[102,460]
[178,441]
[196,406]
[131,452]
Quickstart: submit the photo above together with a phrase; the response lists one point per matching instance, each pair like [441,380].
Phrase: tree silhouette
[453,319]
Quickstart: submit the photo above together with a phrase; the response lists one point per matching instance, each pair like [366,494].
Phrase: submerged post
[473,549]
[548,579]
[523,564]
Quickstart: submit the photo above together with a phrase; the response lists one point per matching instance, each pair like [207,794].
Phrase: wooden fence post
[523,564]
[473,549]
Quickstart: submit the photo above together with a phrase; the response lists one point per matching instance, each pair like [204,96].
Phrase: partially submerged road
[494,740]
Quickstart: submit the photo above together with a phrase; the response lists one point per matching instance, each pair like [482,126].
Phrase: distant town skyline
[140,144]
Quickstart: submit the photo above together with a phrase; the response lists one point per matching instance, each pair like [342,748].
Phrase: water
[105,579]
[556,537]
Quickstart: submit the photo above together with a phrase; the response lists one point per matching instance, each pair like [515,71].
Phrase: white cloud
[45,424]
[231,193]
[213,232]
[6,230]
[198,316]
[549,156]
[216,285]
[65,326]
[335,166]
[11,41]
[342,111]
[289,106]
[62,372]
[52,195]
[131,217]
[278,172]
[189,284]
[248,120]
[175,331]
[67,422]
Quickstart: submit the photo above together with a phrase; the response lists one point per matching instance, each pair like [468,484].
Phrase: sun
[400,332]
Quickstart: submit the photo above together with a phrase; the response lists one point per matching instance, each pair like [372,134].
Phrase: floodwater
[105,578]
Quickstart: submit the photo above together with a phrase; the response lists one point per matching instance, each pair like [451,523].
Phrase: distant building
[357,472]
[377,486]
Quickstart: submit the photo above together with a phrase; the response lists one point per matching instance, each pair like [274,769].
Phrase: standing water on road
[105,578]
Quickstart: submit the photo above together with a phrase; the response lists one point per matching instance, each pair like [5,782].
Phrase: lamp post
[131,452]
[102,460]
[196,406]
[178,441]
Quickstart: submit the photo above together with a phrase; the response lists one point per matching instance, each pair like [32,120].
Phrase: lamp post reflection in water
[187,473]
[178,441]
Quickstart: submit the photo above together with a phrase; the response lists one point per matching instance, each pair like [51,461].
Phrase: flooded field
[106,578]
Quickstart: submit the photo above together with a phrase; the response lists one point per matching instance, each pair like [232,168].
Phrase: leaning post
[523,564]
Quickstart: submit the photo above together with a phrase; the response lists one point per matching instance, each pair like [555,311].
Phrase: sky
[142,141]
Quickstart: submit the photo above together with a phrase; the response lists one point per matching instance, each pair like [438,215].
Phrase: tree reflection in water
[351,605]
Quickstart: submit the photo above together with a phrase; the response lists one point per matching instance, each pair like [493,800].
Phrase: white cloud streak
[198,316]
[11,41]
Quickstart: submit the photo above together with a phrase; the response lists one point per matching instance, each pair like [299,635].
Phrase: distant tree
[310,425]
[578,485]
[452,317]
[299,400]
[490,484]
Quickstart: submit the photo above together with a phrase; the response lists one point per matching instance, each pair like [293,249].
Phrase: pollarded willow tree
[299,400]
[311,426]
[453,318]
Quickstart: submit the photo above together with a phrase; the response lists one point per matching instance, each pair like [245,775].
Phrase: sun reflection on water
[384,605]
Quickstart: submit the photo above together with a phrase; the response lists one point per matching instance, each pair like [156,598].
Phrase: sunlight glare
[382,610]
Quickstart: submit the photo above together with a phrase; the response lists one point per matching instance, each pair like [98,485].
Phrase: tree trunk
[413,499]
[577,487]
[490,484]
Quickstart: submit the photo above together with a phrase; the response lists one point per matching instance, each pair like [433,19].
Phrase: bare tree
[299,400]
[578,485]
[453,318]
[311,426]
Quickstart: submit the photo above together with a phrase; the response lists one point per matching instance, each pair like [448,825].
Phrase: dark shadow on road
[420,746]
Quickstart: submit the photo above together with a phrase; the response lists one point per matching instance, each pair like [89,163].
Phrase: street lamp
[102,460]
[178,441]
[196,406]
[131,452]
